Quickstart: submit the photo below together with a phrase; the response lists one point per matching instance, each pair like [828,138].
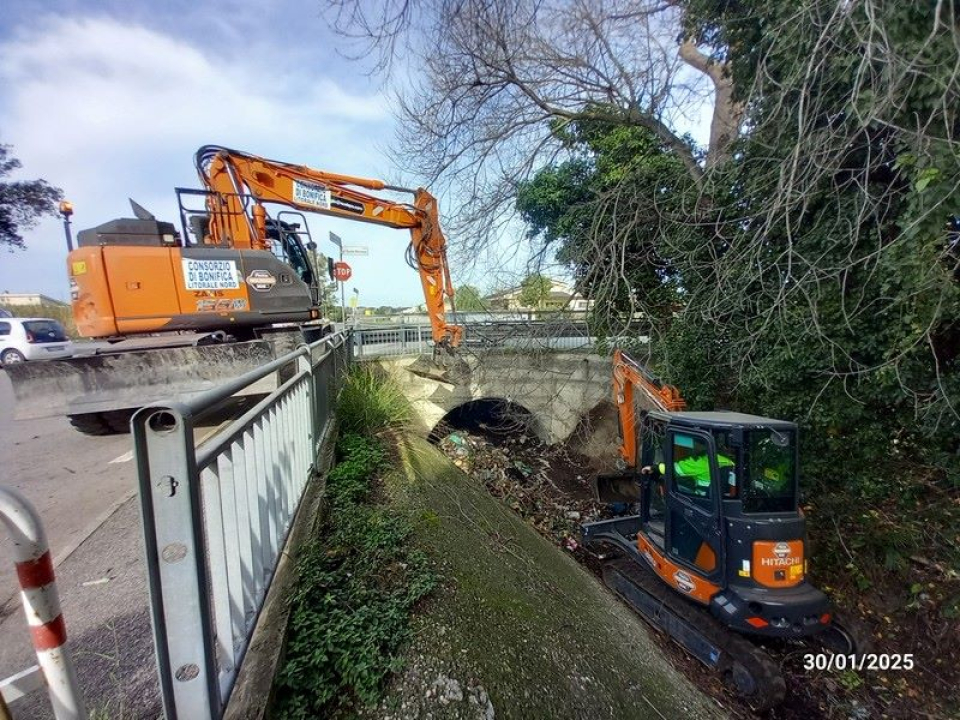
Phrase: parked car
[32,339]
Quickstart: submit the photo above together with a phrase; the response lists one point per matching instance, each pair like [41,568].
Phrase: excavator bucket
[455,373]
[445,365]
[617,488]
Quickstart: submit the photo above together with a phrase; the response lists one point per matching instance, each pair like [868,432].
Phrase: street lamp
[66,210]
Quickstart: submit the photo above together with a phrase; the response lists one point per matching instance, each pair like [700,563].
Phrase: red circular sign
[341,271]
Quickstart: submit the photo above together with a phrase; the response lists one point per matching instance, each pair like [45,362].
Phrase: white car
[32,339]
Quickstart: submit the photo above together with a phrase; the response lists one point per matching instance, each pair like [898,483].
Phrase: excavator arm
[240,184]
[630,377]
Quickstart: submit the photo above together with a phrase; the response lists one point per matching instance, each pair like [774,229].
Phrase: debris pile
[546,485]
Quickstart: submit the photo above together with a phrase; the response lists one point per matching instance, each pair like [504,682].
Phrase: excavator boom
[233,177]
[633,383]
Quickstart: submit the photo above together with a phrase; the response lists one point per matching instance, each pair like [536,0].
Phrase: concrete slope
[518,629]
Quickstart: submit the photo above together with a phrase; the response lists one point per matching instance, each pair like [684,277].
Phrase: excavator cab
[708,533]
[716,515]
[287,246]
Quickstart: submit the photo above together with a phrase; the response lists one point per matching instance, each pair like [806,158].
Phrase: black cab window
[770,485]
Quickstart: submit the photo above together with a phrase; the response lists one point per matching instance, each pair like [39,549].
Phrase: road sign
[356,250]
[342,271]
[335,239]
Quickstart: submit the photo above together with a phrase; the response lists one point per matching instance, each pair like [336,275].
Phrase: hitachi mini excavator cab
[709,534]
[718,518]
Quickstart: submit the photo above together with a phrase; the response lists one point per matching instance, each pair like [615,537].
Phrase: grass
[371,403]
[360,579]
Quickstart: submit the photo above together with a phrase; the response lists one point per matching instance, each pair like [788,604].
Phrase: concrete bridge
[555,388]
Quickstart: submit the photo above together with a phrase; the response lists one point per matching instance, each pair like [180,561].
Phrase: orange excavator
[708,535]
[179,311]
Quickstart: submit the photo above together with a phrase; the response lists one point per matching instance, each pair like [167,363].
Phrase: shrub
[372,402]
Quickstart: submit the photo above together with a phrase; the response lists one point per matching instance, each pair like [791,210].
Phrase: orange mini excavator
[712,539]
[180,311]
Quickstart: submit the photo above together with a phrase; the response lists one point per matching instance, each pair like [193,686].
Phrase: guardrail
[41,604]
[523,335]
[216,517]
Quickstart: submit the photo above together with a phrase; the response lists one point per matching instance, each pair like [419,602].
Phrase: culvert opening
[494,418]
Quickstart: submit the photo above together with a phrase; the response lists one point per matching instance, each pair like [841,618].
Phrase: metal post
[41,603]
[173,540]
[66,210]
[305,362]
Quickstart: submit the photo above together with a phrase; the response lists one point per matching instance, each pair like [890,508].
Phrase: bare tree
[492,77]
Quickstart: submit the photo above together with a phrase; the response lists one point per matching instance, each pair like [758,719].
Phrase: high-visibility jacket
[698,468]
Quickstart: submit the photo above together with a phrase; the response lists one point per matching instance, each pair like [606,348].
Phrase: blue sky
[110,100]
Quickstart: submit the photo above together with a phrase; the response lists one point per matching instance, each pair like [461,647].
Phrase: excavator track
[743,665]
[115,422]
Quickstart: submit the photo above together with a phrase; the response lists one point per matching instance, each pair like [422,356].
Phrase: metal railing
[216,516]
[521,335]
[41,604]
[404,340]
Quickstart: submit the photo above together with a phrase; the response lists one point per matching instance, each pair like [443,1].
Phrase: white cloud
[108,110]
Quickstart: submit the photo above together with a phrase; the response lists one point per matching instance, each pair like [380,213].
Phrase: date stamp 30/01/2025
[867,661]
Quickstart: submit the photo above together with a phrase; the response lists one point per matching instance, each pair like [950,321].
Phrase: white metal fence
[216,517]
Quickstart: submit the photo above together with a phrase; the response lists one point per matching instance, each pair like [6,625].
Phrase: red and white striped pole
[41,603]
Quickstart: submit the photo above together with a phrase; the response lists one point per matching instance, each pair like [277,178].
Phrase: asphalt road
[74,481]
[84,489]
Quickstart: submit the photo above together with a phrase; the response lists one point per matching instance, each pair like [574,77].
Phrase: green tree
[329,289]
[469,299]
[612,239]
[22,202]
[534,290]
[812,274]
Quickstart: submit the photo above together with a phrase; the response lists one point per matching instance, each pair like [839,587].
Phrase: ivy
[359,581]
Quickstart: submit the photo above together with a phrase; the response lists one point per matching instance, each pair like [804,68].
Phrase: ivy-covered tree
[604,212]
[22,202]
[813,273]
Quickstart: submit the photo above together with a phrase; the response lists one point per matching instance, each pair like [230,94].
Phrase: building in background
[561,296]
[21,299]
